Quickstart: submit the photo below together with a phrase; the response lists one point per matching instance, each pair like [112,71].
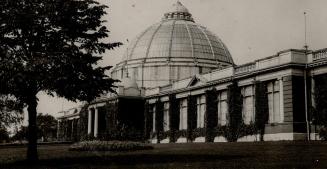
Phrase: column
[281,100]
[58,130]
[72,133]
[96,115]
[313,103]
[253,103]
[154,121]
[89,127]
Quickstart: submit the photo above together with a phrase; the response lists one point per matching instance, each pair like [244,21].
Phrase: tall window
[183,114]
[166,116]
[248,104]
[273,102]
[201,108]
[154,118]
[222,108]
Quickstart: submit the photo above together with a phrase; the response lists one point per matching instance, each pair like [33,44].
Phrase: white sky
[251,29]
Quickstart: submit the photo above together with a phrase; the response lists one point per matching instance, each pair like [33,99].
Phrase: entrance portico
[93,119]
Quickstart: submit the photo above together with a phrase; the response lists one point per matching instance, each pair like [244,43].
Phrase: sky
[251,29]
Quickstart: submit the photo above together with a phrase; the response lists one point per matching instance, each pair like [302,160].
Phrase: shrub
[235,104]
[323,133]
[109,146]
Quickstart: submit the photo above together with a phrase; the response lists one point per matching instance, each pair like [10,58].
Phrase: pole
[305,32]
[306,102]
[305,78]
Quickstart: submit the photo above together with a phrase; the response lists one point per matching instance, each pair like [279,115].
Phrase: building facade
[179,84]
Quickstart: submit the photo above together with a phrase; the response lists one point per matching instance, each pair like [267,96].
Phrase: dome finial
[178,12]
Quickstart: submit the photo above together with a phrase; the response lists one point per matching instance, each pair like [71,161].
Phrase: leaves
[235,104]
[11,111]
[53,46]
[47,126]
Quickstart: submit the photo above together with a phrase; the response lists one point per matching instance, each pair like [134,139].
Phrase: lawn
[191,155]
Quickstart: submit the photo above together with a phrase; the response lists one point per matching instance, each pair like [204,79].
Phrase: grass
[192,155]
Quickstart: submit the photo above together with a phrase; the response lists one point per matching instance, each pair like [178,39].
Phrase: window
[248,104]
[183,114]
[166,116]
[222,108]
[273,102]
[200,104]
[154,118]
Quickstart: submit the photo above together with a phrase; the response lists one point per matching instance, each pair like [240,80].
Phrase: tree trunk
[32,130]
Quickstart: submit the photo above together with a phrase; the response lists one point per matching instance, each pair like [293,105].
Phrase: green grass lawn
[193,155]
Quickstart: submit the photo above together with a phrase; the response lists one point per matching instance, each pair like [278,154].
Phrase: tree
[235,104]
[47,126]
[52,46]
[261,108]
[20,134]
[11,111]
[4,136]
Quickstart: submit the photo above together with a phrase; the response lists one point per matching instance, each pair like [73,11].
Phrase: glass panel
[276,107]
[247,110]
[183,114]
[166,116]
[224,110]
[200,111]
[270,105]
[154,119]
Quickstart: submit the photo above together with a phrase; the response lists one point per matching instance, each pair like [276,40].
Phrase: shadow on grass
[116,160]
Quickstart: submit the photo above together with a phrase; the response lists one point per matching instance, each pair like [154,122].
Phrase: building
[180,84]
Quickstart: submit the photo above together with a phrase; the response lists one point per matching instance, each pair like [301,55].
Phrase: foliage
[11,111]
[4,136]
[242,130]
[247,130]
[320,115]
[211,114]
[173,117]
[63,133]
[202,132]
[122,133]
[83,120]
[47,126]
[111,116]
[181,133]
[261,107]
[159,118]
[191,116]
[109,146]
[148,120]
[52,46]
[21,134]
[323,133]
[161,135]
[235,101]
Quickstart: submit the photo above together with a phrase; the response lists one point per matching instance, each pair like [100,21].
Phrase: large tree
[47,126]
[52,46]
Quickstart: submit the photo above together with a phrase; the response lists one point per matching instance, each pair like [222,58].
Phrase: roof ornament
[178,12]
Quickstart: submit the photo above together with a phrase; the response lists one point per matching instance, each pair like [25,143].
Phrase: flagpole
[305,79]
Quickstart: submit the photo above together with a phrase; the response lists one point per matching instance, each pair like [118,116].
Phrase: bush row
[109,146]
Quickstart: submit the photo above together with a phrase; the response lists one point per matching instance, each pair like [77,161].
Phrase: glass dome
[172,49]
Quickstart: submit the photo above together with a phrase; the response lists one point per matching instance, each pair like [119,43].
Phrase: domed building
[173,49]
[179,84]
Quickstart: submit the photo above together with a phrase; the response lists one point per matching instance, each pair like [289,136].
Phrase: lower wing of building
[274,98]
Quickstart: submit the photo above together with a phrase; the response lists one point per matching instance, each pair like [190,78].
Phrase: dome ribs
[147,52]
[209,42]
[173,49]
[169,55]
[192,42]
